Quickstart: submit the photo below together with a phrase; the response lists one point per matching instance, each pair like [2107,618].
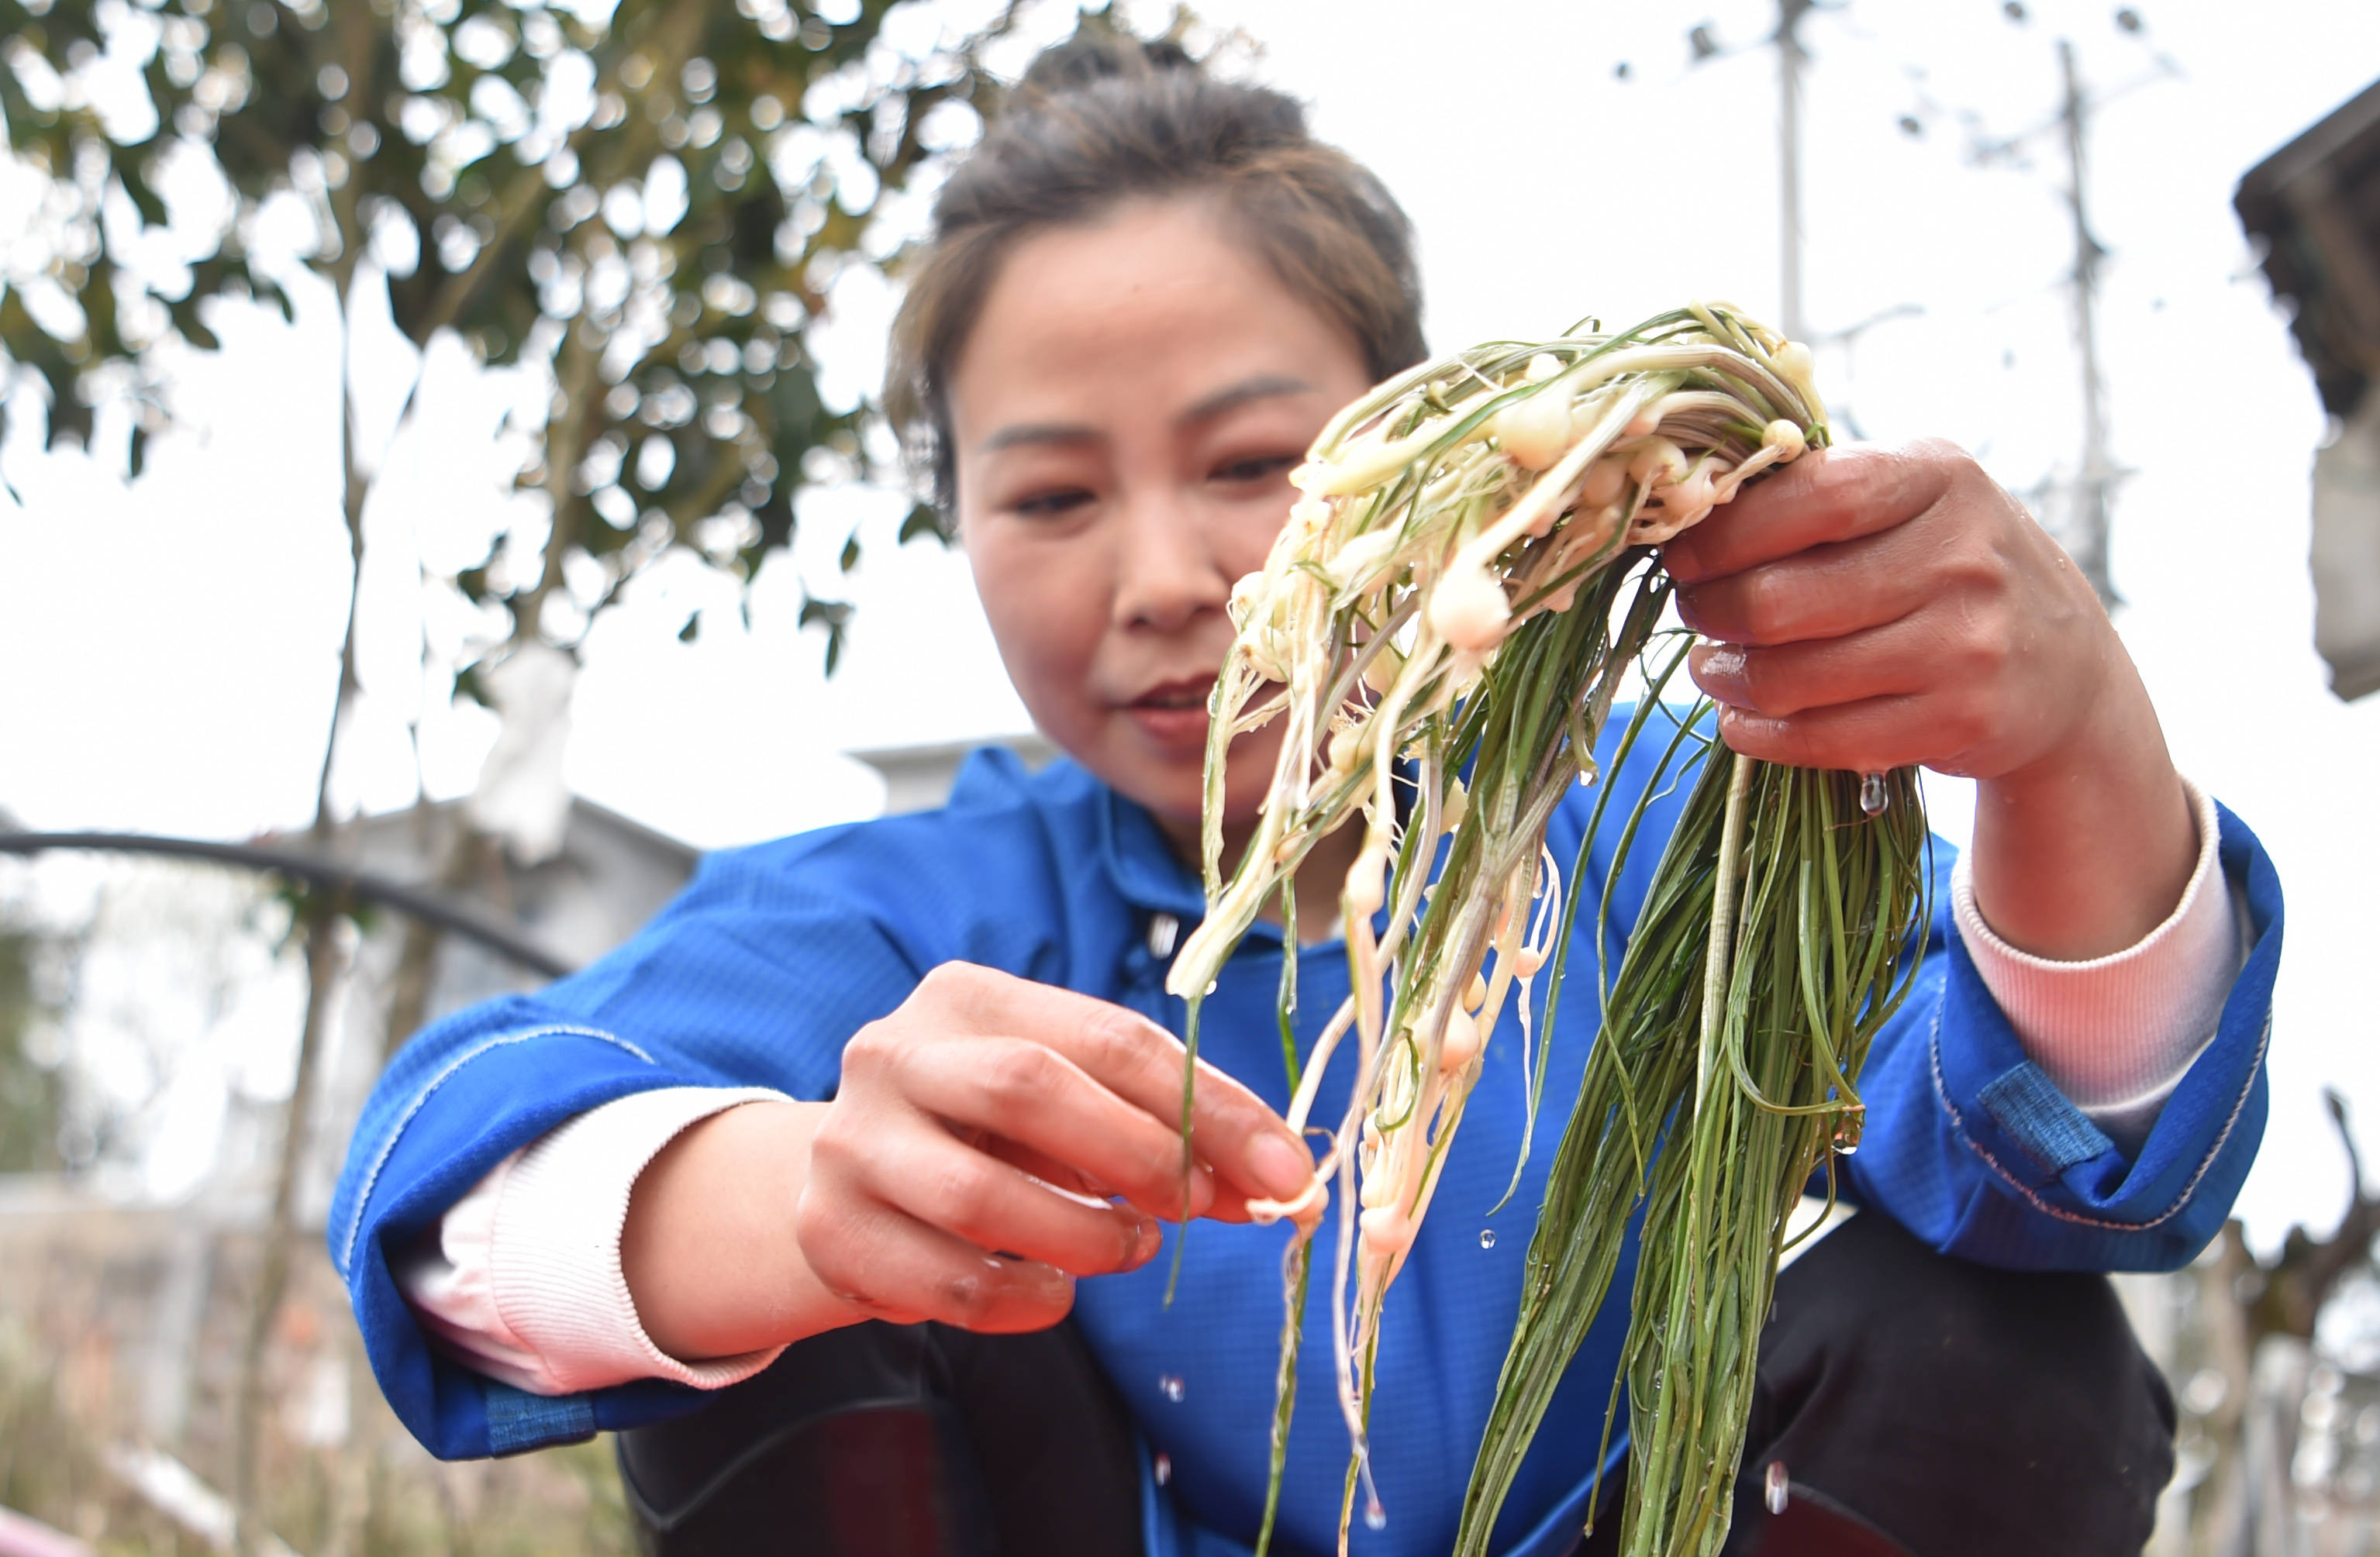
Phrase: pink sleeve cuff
[2117,1033]
[522,1277]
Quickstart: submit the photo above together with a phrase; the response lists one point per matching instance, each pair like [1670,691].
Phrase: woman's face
[1123,419]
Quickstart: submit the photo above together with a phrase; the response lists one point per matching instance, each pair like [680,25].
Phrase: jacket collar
[1133,850]
[1140,862]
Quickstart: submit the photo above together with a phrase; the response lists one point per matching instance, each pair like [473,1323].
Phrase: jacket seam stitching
[2207,1163]
[388,1147]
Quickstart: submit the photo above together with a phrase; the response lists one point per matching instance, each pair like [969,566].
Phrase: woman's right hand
[992,1140]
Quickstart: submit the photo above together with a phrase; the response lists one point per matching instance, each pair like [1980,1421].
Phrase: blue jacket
[775,955]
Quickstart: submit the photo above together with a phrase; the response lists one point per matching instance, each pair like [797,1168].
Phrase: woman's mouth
[1173,714]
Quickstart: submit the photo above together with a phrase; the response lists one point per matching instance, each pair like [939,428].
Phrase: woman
[796,1144]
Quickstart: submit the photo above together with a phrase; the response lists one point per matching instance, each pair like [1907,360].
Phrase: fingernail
[1147,1237]
[1280,1165]
[1718,670]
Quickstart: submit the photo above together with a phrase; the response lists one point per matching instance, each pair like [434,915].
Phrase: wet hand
[1871,608]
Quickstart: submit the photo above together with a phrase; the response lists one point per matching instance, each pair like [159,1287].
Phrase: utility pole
[2087,515]
[1789,61]
[2084,522]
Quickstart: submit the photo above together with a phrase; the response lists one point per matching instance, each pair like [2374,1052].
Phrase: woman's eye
[1257,467]
[1050,505]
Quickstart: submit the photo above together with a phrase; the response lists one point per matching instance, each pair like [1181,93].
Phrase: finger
[1826,495]
[1031,1094]
[899,1270]
[1825,592]
[1870,736]
[1905,656]
[1048,1169]
[977,1198]
[1140,1062]
[1223,1206]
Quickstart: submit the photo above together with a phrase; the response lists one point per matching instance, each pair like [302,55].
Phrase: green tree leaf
[648,206]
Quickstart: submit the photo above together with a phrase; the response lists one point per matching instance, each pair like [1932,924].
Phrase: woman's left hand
[1873,608]
[1876,608]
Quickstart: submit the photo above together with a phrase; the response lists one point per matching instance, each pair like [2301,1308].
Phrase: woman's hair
[1102,118]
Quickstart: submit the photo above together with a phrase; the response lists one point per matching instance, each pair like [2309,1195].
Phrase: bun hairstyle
[1103,118]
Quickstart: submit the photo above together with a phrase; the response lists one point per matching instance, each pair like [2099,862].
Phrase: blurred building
[2314,207]
[144,1303]
[919,778]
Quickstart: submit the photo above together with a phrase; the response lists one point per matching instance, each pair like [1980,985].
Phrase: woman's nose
[1167,573]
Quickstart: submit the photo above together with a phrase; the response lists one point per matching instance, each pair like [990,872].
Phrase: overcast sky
[167,649]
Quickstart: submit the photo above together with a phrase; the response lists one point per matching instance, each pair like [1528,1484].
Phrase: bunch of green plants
[1468,583]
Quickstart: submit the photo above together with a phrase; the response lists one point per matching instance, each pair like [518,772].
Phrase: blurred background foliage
[646,204]
[642,205]
[32,1087]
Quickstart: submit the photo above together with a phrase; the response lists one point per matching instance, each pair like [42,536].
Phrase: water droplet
[1779,1486]
[1847,1134]
[1488,1237]
[1170,1386]
[1164,1469]
[1375,1517]
[1873,796]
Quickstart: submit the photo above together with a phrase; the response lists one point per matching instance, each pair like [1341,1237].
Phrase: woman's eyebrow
[1018,433]
[1263,386]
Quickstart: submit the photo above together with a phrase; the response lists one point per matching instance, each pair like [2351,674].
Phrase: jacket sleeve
[1967,1142]
[1971,1147]
[755,976]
